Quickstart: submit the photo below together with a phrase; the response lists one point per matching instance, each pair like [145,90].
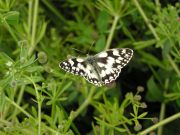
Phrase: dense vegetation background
[37,97]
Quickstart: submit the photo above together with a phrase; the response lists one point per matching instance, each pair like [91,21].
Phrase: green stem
[33,43]
[108,43]
[29,115]
[173,65]
[146,19]
[162,115]
[20,108]
[73,115]
[39,104]
[163,108]
[39,117]
[30,7]
[161,123]
[127,130]
[10,31]
[20,95]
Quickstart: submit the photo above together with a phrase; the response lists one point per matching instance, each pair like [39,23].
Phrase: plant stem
[163,109]
[19,99]
[33,43]
[73,115]
[20,108]
[29,115]
[161,123]
[108,43]
[30,7]
[161,117]
[146,19]
[173,65]
[39,102]
[128,131]
[10,31]
[39,107]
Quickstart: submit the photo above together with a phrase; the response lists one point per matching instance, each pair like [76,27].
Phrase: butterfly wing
[80,66]
[91,74]
[74,65]
[100,69]
[111,62]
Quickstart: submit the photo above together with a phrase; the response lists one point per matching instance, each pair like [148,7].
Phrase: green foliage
[36,97]
[113,117]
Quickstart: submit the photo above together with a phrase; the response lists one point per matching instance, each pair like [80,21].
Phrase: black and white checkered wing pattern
[74,65]
[82,67]
[111,62]
[100,69]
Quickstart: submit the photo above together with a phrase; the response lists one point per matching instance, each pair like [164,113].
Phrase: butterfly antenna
[78,50]
[91,47]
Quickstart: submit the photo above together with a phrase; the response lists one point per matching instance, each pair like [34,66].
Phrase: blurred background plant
[38,97]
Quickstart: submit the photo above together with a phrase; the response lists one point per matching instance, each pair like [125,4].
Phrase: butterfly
[100,69]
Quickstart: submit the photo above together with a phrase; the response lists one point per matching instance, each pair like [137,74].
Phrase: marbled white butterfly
[100,69]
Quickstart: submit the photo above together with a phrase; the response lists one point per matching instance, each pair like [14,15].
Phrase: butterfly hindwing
[92,76]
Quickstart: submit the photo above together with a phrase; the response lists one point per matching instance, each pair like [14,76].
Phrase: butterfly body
[100,69]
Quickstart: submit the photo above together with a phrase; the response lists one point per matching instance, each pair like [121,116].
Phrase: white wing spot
[79,60]
[81,73]
[108,71]
[124,51]
[119,67]
[103,74]
[103,54]
[111,78]
[110,61]
[106,81]
[126,56]
[71,62]
[116,52]
[80,66]
[77,69]
[100,64]
[118,61]
[120,58]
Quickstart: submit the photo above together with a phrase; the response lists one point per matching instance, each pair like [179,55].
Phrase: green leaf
[41,32]
[142,115]
[154,92]
[100,44]
[6,81]
[101,122]
[34,112]
[144,44]
[152,60]
[4,58]
[2,100]
[12,17]
[102,22]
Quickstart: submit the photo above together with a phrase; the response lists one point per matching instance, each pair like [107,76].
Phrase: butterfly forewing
[111,62]
[103,68]
[74,65]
